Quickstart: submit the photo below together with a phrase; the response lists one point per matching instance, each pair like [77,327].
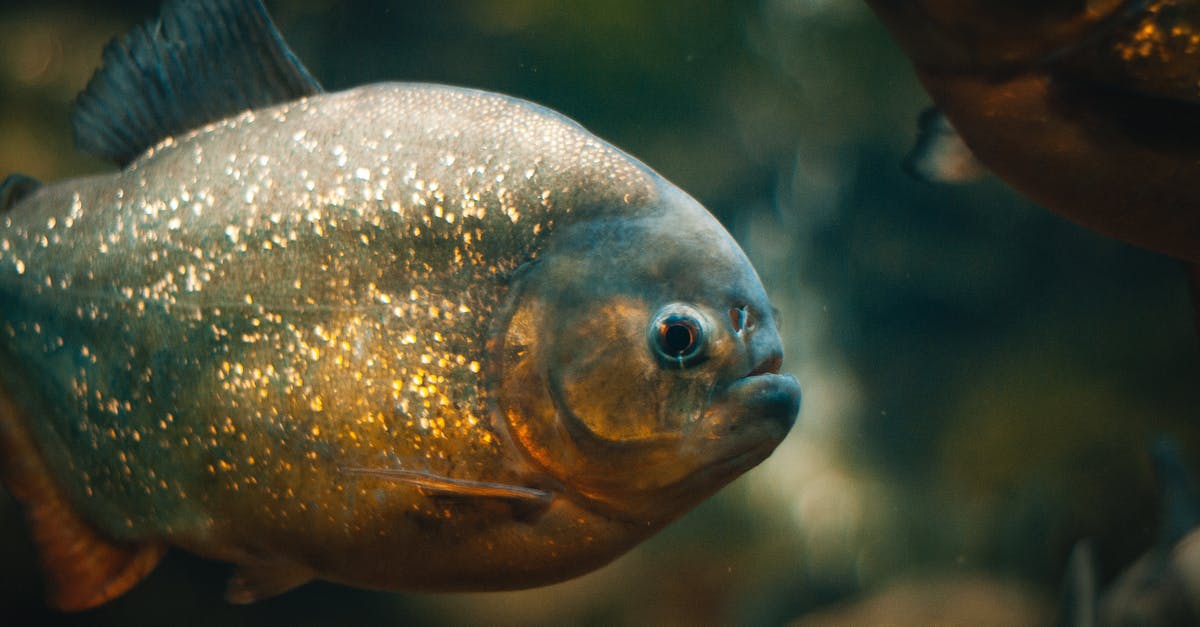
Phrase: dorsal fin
[1180,509]
[200,61]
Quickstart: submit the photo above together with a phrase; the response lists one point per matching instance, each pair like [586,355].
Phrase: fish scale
[386,278]
[403,336]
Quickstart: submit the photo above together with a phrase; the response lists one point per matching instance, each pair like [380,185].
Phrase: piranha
[404,336]
[1091,108]
[1162,587]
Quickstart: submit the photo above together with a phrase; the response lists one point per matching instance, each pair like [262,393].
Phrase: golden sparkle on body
[402,336]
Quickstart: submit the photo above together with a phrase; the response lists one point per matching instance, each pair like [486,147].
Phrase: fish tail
[82,567]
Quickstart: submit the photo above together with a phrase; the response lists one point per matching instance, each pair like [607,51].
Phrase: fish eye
[678,337]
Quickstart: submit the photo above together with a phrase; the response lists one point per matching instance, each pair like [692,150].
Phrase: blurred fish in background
[981,376]
[1090,108]
[1159,588]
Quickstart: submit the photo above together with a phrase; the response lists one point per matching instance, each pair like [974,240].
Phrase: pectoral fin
[253,582]
[83,567]
[940,155]
[447,486]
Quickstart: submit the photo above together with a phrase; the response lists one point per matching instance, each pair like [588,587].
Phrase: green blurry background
[981,378]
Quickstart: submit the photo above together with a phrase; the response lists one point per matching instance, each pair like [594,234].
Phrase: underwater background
[982,379]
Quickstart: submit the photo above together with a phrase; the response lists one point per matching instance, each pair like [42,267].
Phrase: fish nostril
[738,317]
[742,319]
[770,365]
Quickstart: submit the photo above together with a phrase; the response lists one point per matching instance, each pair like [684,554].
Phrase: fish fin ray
[82,567]
[1078,604]
[446,486]
[257,581]
[14,188]
[940,155]
[1180,512]
[198,62]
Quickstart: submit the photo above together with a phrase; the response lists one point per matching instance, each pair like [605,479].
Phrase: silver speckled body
[205,342]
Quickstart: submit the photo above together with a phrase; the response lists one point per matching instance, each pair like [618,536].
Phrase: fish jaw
[765,405]
[739,429]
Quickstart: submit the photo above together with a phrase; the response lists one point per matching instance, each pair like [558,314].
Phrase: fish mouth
[772,396]
[744,424]
[768,400]
[756,411]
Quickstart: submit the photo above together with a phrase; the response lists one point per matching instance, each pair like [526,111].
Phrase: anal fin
[253,582]
[83,568]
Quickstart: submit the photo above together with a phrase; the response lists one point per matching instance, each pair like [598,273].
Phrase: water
[982,379]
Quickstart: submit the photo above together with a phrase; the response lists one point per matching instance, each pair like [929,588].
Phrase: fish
[940,155]
[406,337]
[1091,109]
[1162,586]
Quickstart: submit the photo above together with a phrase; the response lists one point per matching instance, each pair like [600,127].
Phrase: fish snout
[769,365]
[770,399]
[763,394]
[761,405]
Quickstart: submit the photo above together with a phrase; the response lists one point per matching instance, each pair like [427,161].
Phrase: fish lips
[752,415]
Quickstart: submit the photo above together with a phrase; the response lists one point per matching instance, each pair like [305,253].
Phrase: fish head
[640,366]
